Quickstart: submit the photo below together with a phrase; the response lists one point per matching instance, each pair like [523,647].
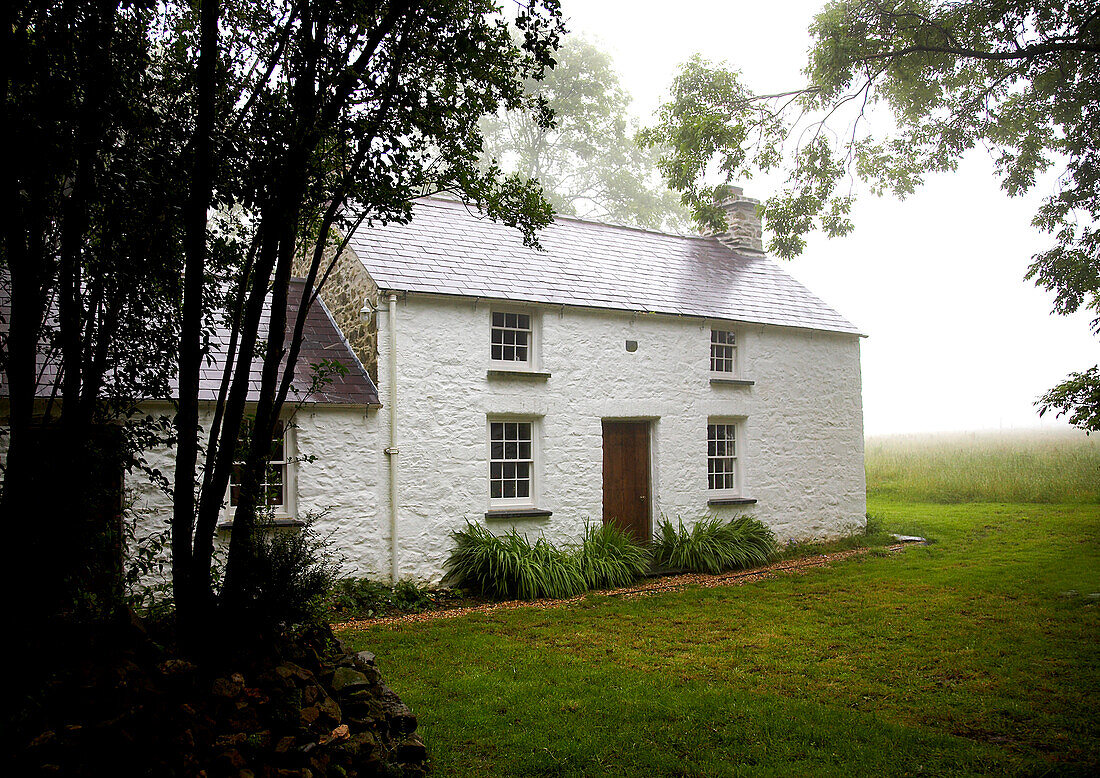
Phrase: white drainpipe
[391,452]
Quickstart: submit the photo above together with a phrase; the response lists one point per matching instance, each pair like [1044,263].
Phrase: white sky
[958,340]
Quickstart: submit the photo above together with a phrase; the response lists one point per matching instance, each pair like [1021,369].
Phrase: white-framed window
[277,489]
[723,352]
[513,456]
[512,338]
[723,465]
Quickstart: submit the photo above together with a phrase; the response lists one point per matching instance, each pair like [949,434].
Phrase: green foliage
[1018,79]
[609,558]
[289,572]
[510,567]
[713,545]
[366,598]
[1036,467]
[587,162]
[705,126]
[1078,398]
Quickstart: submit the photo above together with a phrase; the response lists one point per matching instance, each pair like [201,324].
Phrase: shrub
[712,546]
[608,557]
[508,566]
[365,598]
[288,574]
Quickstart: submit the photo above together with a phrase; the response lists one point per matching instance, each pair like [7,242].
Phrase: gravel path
[670,583]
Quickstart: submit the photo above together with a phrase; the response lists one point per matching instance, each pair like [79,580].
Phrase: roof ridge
[436,199]
[451,248]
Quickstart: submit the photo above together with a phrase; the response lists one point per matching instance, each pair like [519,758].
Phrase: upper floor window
[510,338]
[723,352]
[722,456]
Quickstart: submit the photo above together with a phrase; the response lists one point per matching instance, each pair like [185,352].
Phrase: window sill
[517,513]
[731,501]
[731,381]
[286,521]
[535,375]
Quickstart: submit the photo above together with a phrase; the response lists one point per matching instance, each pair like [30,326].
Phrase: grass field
[978,653]
[1019,467]
[975,654]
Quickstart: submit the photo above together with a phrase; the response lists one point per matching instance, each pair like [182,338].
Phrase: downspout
[391,452]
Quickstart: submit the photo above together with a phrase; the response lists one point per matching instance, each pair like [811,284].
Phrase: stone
[230,687]
[340,733]
[365,658]
[346,680]
[234,739]
[411,749]
[310,715]
[175,668]
[330,710]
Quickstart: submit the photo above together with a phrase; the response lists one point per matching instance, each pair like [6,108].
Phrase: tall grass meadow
[1041,466]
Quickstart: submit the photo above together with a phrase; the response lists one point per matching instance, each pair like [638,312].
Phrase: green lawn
[966,656]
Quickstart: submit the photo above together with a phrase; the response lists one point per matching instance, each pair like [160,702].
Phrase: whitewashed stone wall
[801,446]
[345,483]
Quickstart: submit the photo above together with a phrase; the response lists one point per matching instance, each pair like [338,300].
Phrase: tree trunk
[192,592]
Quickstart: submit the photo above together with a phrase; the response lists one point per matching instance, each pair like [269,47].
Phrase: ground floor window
[275,493]
[511,461]
[722,456]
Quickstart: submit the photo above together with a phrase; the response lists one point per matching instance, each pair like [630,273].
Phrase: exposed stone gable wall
[348,287]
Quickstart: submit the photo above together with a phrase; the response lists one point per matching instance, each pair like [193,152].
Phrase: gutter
[391,451]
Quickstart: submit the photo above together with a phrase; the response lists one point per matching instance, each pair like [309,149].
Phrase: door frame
[651,424]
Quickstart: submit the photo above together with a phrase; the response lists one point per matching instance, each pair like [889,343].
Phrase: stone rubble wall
[347,290]
[745,231]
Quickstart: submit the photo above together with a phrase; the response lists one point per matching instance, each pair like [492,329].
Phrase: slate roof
[321,340]
[453,250]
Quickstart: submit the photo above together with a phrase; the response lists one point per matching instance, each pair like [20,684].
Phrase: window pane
[510,454]
[721,456]
[498,319]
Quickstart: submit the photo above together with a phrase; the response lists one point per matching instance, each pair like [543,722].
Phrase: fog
[957,339]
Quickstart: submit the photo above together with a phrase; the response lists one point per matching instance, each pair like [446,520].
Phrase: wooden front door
[626,477]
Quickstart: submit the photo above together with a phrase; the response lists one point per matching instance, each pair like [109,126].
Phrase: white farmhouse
[619,375]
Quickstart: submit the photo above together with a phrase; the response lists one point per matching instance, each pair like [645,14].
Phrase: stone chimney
[745,233]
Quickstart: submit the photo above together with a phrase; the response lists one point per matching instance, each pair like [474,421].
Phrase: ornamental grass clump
[609,557]
[714,546]
[510,567]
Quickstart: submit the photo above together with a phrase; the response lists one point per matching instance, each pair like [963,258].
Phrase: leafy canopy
[587,160]
[1018,78]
